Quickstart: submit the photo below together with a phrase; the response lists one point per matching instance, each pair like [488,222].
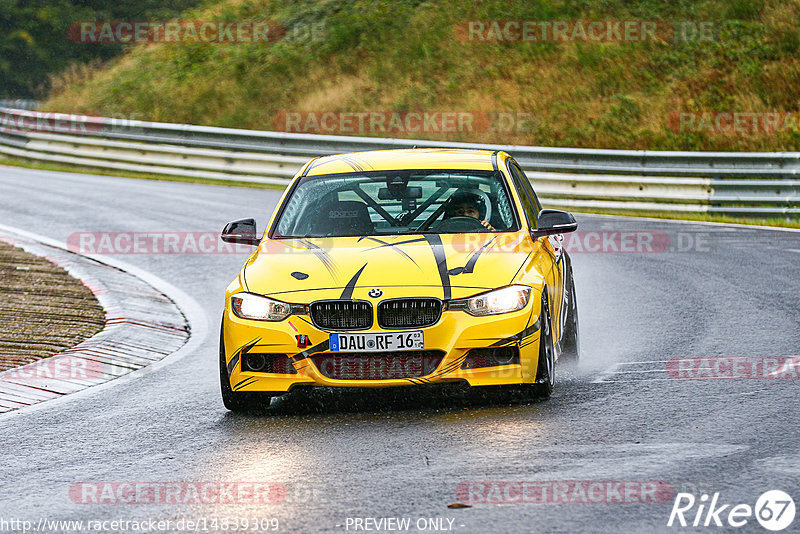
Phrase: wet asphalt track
[389,454]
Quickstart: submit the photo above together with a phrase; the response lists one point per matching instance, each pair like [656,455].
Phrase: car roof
[403,159]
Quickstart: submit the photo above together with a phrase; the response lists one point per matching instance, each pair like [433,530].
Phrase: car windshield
[397,202]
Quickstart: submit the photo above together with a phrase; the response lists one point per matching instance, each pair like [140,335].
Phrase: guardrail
[736,183]
[20,103]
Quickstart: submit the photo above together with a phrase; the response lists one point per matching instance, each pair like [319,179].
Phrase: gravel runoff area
[43,309]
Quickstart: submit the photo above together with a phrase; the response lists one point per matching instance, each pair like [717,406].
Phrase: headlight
[505,300]
[250,306]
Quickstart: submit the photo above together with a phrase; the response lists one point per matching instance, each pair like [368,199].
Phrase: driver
[466,204]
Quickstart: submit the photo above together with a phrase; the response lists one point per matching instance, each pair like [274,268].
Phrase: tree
[34,41]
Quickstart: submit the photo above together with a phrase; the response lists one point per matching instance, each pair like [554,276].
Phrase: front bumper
[455,334]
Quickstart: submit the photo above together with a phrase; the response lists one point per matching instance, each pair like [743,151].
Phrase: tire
[570,341]
[234,401]
[545,369]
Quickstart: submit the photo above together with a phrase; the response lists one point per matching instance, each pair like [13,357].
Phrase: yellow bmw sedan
[399,267]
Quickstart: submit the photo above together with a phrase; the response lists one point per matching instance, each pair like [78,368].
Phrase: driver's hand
[489,226]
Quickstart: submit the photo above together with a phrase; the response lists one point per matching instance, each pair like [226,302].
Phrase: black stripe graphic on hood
[394,246]
[470,266]
[322,254]
[347,294]
[435,243]
[354,163]
[385,244]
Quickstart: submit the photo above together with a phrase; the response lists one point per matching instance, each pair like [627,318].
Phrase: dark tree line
[34,41]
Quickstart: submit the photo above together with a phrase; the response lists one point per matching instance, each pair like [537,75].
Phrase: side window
[529,188]
[526,196]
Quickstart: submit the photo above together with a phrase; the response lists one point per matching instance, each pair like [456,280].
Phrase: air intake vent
[267,363]
[409,313]
[377,365]
[341,314]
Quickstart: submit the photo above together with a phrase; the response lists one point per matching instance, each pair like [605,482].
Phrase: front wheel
[570,342]
[545,369]
[238,401]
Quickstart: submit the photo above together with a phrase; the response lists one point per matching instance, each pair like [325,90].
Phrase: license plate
[377,342]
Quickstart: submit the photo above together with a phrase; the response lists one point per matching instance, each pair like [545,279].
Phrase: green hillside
[677,91]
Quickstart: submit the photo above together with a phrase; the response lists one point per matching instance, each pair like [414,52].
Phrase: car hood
[444,266]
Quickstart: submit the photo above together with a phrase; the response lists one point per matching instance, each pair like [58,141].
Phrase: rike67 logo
[774,510]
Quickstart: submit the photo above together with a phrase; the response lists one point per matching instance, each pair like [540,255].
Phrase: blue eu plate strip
[334,343]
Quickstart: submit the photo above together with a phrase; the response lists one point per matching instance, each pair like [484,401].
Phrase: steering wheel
[459,224]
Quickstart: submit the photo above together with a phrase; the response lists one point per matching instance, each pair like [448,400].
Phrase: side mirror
[554,222]
[242,232]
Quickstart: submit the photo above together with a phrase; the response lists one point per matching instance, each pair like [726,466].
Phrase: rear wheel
[570,342]
[238,401]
